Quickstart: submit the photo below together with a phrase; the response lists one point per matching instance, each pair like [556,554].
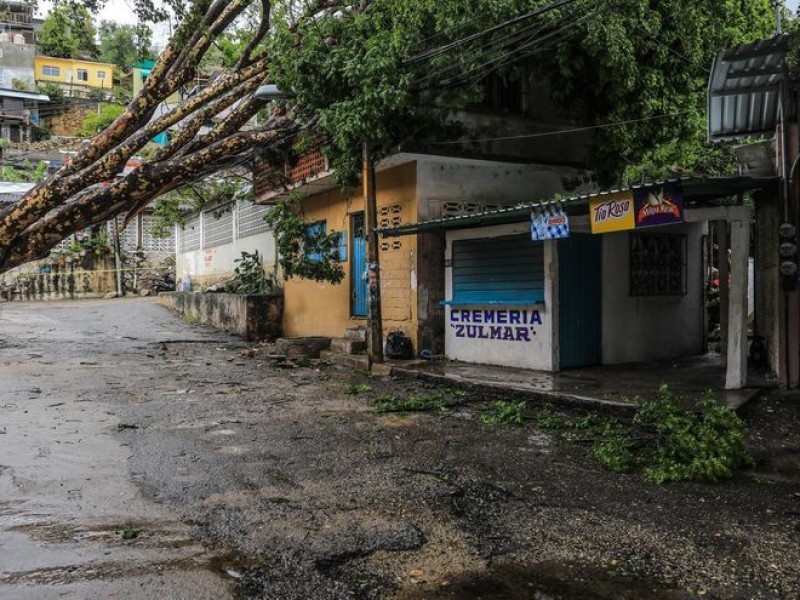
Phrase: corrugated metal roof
[695,189]
[6,93]
[746,89]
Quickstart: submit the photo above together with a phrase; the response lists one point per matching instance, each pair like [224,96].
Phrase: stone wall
[253,317]
[68,122]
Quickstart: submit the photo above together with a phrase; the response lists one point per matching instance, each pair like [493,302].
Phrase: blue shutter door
[580,300]
[504,270]
[358,267]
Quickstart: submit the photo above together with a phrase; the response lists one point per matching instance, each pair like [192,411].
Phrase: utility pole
[778,16]
[374,317]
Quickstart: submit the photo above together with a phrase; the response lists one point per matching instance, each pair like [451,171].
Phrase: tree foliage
[68,32]
[304,251]
[125,45]
[644,61]
[388,70]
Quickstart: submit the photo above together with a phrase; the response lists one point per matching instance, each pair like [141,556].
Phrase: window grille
[459,209]
[657,264]
[217,232]
[390,216]
[128,238]
[48,71]
[189,236]
[151,243]
[251,219]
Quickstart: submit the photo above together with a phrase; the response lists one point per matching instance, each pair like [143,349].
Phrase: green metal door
[580,300]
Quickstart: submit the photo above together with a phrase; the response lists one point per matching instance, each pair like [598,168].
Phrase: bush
[667,439]
[249,276]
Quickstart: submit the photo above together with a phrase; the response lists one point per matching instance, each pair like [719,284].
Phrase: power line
[470,38]
[525,50]
[562,131]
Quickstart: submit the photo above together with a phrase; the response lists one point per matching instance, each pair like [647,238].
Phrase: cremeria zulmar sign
[612,212]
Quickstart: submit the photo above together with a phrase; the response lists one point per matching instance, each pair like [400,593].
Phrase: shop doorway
[580,300]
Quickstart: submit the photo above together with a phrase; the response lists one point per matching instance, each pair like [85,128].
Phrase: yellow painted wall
[69,72]
[313,308]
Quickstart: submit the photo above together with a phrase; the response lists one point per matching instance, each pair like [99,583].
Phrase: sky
[121,11]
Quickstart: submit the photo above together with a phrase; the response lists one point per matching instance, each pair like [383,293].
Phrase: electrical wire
[519,53]
[470,38]
[562,131]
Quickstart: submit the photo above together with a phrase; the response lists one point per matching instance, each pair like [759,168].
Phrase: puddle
[544,581]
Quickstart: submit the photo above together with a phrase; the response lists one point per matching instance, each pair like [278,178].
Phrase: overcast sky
[121,11]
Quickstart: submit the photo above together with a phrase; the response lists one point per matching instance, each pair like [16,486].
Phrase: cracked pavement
[142,457]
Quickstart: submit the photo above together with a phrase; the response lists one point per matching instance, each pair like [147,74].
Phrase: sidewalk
[611,387]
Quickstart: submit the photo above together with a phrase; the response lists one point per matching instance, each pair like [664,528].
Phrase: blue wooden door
[580,300]
[359,293]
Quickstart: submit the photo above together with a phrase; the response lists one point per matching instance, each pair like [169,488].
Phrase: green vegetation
[20,85]
[129,532]
[191,320]
[439,401]
[505,413]
[67,32]
[359,388]
[304,251]
[249,276]
[642,62]
[27,174]
[106,114]
[666,440]
[124,45]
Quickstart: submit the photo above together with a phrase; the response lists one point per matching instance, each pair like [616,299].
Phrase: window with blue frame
[341,248]
[313,232]
[502,270]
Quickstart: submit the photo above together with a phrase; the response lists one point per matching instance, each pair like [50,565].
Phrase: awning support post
[736,368]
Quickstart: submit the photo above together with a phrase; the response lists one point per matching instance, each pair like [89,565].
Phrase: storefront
[608,278]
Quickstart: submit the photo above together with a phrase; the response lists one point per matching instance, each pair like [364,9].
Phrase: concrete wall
[16,62]
[65,284]
[443,180]
[211,265]
[651,327]
[314,308]
[535,348]
[253,317]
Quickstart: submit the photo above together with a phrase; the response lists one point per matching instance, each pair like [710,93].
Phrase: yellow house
[411,188]
[76,76]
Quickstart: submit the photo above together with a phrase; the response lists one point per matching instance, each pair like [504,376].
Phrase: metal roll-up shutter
[503,270]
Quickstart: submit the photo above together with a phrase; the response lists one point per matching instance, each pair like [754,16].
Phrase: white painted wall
[537,353]
[214,264]
[441,179]
[652,327]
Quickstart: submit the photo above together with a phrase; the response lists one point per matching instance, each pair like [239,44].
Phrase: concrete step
[348,346]
[358,334]
[302,346]
[354,361]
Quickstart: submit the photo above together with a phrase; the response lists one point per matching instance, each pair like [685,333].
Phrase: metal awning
[747,89]
[696,191]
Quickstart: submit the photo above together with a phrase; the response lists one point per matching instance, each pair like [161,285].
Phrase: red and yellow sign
[612,212]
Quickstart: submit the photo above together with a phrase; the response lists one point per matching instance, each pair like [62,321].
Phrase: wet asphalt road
[141,458]
[67,499]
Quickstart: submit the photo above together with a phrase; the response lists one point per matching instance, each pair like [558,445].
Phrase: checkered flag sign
[549,222]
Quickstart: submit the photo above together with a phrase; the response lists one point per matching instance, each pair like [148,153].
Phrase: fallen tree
[89,189]
[391,71]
